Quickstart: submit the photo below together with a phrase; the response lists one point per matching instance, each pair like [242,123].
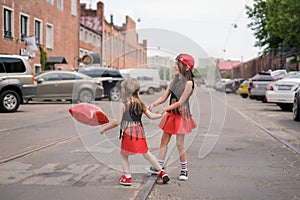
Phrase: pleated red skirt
[177,124]
[135,145]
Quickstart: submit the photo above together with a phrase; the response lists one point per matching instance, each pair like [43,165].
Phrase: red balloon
[88,114]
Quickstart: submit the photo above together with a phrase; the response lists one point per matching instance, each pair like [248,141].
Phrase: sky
[219,27]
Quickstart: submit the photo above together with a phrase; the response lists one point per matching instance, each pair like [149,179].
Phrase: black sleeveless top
[132,120]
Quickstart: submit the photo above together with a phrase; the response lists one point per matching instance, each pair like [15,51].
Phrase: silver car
[258,85]
[18,67]
[67,85]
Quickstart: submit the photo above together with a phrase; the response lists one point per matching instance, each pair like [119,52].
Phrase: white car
[220,84]
[148,78]
[282,92]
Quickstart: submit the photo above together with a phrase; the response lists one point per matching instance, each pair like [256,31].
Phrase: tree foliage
[43,58]
[276,24]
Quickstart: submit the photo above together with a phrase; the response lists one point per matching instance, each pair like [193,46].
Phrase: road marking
[48,174]
[36,149]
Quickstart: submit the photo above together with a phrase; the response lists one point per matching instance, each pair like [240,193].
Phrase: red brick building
[264,63]
[54,25]
[119,46]
[227,66]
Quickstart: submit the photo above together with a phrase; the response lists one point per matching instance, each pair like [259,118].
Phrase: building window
[37,68]
[38,31]
[8,23]
[86,36]
[24,27]
[60,4]
[104,40]
[81,34]
[74,7]
[100,42]
[49,36]
[108,40]
[50,1]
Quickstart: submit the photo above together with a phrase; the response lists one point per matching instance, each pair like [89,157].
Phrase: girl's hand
[150,107]
[102,131]
[161,111]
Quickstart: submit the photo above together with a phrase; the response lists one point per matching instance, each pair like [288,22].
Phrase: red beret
[186,59]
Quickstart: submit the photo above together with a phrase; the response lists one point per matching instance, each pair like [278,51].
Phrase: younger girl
[131,130]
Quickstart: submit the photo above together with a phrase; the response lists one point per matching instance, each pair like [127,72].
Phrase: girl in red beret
[131,130]
[178,120]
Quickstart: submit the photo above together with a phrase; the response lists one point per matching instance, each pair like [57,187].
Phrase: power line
[234,25]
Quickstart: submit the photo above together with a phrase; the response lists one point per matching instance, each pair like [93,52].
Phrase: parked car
[296,105]
[148,78]
[279,74]
[18,67]
[258,85]
[10,95]
[282,92]
[67,85]
[233,85]
[109,78]
[220,84]
[244,88]
[164,84]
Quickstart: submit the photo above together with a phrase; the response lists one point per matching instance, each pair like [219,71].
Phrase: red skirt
[135,145]
[177,124]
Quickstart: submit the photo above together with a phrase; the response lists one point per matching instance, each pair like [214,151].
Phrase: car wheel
[85,96]
[150,91]
[115,94]
[9,101]
[244,95]
[296,110]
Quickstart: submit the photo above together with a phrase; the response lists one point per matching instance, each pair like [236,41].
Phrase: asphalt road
[45,154]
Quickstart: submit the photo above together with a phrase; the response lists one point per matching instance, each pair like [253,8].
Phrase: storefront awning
[56,60]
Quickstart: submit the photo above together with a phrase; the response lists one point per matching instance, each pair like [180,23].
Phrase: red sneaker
[164,176]
[125,181]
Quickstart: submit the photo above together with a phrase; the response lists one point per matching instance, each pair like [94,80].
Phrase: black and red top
[130,120]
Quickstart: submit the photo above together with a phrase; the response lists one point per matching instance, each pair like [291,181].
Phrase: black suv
[109,78]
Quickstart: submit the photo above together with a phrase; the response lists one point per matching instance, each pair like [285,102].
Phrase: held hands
[150,107]
[161,111]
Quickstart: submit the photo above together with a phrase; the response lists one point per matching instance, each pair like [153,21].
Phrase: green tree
[284,21]
[275,23]
[196,73]
[43,58]
[259,24]
[227,74]
[258,14]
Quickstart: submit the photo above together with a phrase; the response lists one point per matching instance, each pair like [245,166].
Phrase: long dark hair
[185,72]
